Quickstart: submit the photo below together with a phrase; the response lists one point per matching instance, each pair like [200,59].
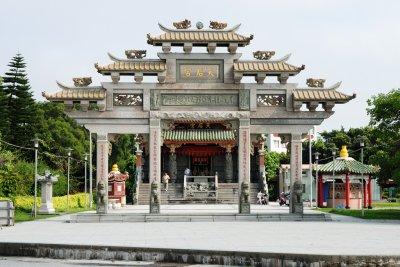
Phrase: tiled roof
[199,135]
[72,94]
[134,66]
[320,94]
[350,165]
[198,36]
[265,66]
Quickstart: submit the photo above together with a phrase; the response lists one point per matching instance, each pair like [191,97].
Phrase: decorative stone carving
[244,205]
[328,106]
[102,191]
[187,47]
[132,54]
[282,78]
[138,77]
[154,198]
[271,100]
[127,99]
[199,99]
[263,55]
[155,100]
[296,198]
[184,24]
[115,77]
[215,25]
[315,82]
[232,48]
[244,99]
[82,81]
[312,106]
[228,165]
[47,181]
[201,115]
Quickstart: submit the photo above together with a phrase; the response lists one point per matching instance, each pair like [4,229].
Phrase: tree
[20,105]
[3,110]
[384,110]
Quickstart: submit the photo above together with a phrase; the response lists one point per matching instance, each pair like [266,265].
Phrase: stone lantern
[47,181]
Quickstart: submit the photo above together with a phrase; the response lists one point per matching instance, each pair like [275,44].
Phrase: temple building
[199,122]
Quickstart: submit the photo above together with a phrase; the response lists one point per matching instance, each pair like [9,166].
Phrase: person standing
[166,179]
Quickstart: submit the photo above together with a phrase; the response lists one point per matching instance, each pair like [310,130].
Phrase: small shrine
[343,182]
[116,186]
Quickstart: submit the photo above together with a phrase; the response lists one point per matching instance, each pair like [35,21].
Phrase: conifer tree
[3,110]
[20,105]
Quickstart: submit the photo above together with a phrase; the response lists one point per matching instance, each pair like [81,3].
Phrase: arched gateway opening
[199,115]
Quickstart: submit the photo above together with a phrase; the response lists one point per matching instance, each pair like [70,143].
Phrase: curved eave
[76,94]
[321,95]
[347,166]
[147,67]
[248,68]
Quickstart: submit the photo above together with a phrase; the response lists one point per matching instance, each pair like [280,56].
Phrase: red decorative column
[365,194]
[370,192]
[320,191]
[347,190]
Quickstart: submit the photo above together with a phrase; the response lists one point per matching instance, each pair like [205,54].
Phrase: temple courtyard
[340,236]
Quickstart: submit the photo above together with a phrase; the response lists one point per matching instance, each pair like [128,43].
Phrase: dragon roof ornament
[263,55]
[184,24]
[135,54]
[312,82]
[216,25]
[166,29]
[82,81]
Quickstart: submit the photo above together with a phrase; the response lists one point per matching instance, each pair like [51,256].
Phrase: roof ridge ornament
[263,55]
[82,81]
[135,54]
[168,30]
[184,24]
[216,25]
[315,83]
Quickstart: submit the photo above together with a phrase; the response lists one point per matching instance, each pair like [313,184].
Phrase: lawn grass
[386,204]
[22,215]
[371,214]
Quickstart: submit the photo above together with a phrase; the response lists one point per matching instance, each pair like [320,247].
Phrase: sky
[356,42]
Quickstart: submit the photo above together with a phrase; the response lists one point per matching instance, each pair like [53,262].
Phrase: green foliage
[384,110]
[20,115]
[272,163]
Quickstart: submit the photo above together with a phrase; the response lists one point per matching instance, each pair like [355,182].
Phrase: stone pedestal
[244,203]
[47,181]
[296,202]
[155,165]
[102,174]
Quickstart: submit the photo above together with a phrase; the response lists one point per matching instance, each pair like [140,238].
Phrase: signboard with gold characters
[189,72]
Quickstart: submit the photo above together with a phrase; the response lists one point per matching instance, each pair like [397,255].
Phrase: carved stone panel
[271,100]
[206,71]
[127,99]
[199,100]
[155,100]
[244,99]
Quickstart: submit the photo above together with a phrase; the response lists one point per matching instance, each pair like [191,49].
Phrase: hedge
[60,203]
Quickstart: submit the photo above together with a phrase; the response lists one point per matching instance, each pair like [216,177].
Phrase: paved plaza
[343,236]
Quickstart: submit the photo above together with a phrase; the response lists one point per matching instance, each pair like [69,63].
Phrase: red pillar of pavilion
[370,192]
[347,191]
[320,191]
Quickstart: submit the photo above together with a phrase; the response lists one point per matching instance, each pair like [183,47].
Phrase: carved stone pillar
[228,164]
[155,165]
[296,188]
[172,163]
[244,165]
[102,173]
[139,171]
[261,164]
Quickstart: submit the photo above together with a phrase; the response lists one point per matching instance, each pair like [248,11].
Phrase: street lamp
[86,158]
[36,146]
[362,179]
[316,178]
[69,150]
[333,174]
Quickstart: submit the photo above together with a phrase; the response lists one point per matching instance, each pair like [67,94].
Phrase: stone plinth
[47,181]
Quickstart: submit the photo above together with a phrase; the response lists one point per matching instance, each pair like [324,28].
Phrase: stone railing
[200,187]
[6,213]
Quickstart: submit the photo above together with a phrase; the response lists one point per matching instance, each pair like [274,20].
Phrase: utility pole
[316,178]
[86,197]
[362,179]
[69,150]
[310,167]
[90,172]
[36,146]
[333,174]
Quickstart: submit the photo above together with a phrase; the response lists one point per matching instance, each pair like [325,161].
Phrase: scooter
[284,199]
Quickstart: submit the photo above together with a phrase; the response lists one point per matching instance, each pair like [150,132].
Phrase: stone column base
[47,208]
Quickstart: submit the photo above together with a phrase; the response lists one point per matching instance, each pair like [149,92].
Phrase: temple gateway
[198,121]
